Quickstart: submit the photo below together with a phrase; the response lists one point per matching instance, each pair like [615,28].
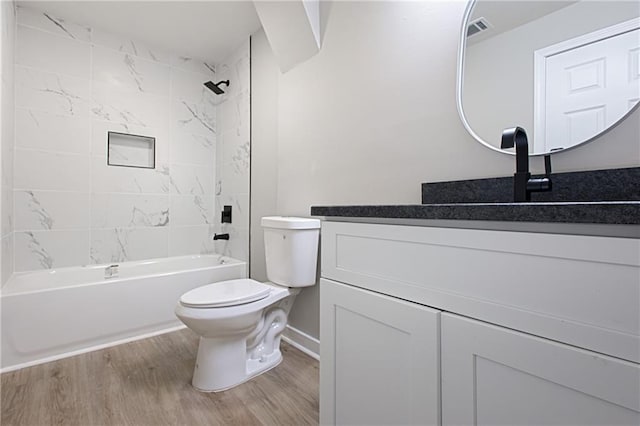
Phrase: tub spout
[111,271]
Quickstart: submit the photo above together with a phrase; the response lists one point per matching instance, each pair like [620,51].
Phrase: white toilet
[240,321]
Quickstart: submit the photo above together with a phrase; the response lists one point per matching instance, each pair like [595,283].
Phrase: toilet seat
[225,293]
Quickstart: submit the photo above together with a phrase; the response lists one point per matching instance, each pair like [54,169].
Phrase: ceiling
[506,15]
[206,30]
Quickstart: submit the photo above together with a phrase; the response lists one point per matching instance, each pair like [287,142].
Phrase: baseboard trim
[89,349]
[302,341]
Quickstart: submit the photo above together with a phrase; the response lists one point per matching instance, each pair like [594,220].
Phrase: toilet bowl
[240,321]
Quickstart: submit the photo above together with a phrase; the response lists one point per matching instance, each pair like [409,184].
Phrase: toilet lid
[225,293]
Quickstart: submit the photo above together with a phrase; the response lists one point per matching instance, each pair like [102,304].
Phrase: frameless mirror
[565,71]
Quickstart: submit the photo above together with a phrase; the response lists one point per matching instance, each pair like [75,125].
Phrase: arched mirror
[566,71]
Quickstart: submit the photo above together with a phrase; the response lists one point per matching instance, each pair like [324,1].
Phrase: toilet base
[222,364]
[259,366]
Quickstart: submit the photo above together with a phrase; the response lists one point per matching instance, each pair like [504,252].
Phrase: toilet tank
[291,250]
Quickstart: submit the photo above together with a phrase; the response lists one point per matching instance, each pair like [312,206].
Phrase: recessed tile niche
[131,150]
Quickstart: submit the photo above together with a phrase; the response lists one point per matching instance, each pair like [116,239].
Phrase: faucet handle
[547,165]
[542,184]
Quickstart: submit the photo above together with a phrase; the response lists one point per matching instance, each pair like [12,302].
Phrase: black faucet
[220,237]
[523,184]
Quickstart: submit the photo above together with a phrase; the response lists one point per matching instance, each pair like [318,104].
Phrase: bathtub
[52,314]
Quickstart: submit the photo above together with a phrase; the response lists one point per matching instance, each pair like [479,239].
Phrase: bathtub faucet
[111,271]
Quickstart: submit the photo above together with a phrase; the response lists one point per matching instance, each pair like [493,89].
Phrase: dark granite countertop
[600,197]
[591,185]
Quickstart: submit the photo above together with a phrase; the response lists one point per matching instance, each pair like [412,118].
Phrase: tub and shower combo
[52,314]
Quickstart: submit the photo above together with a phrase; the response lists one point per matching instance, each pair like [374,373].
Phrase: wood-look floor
[148,382]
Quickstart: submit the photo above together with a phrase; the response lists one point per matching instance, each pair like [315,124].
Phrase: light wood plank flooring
[148,382]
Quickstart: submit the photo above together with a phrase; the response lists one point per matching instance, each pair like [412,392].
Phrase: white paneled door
[588,88]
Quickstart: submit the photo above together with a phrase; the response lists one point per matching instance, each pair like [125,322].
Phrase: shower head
[214,87]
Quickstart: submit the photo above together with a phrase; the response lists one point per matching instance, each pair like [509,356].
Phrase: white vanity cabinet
[380,359]
[477,327]
[495,376]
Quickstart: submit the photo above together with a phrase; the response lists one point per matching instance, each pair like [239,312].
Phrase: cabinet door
[496,376]
[379,359]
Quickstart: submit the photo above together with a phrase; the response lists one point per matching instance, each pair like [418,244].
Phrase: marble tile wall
[7,77]
[73,85]
[233,153]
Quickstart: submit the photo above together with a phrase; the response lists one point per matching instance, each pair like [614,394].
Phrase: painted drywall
[73,85]
[264,146]
[500,69]
[292,30]
[209,30]
[374,114]
[7,51]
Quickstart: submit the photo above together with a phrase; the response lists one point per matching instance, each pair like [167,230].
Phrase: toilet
[240,321]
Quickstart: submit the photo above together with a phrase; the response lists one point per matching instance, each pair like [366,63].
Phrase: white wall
[7,50]
[373,115]
[73,84]
[264,146]
[500,69]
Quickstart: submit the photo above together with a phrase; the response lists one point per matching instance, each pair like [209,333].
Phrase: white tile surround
[233,152]
[7,117]
[72,85]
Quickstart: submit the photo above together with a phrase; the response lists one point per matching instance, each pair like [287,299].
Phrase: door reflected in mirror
[565,71]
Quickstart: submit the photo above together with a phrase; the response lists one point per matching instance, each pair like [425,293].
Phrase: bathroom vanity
[426,322]
[470,309]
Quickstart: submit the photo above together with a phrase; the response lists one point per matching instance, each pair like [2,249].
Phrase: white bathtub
[53,314]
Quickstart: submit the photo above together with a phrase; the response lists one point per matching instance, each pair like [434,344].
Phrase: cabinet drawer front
[492,375]
[380,359]
[582,290]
